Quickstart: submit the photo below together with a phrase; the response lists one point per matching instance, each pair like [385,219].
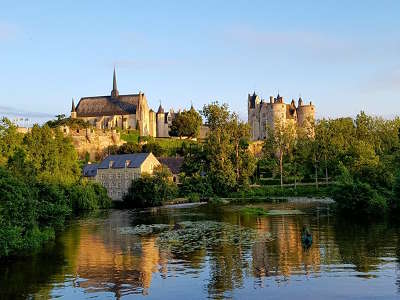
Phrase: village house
[116,172]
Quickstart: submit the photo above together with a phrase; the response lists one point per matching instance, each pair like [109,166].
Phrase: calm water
[211,253]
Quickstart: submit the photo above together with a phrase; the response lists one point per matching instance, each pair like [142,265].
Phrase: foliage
[195,184]
[257,211]
[10,140]
[40,187]
[151,190]
[359,199]
[88,196]
[186,124]
[229,163]
[129,147]
[70,122]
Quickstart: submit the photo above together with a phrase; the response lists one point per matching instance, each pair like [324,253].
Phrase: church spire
[114,92]
[73,109]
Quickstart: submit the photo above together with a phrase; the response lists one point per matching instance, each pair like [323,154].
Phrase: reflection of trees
[24,277]
[227,268]
[363,244]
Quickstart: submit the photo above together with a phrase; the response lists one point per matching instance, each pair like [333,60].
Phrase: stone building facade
[122,111]
[116,172]
[262,114]
[164,121]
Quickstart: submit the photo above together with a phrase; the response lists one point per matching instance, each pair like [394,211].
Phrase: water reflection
[93,258]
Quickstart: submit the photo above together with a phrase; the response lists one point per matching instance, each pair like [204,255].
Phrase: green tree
[10,140]
[186,124]
[151,190]
[281,139]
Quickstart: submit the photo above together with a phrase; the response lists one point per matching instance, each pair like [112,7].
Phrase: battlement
[263,114]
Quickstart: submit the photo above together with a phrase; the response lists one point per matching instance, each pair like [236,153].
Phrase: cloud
[14,112]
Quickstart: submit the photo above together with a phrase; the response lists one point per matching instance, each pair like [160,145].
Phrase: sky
[344,56]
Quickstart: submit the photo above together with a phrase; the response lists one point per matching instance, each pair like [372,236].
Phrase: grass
[130,136]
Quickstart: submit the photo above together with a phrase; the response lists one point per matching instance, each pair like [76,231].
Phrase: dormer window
[110,164]
[127,163]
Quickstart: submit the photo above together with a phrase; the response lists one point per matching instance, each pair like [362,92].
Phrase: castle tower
[73,110]
[253,114]
[160,120]
[152,123]
[114,92]
[306,116]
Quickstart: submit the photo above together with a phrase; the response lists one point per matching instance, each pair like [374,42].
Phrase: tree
[230,164]
[151,190]
[10,140]
[186,123]
[52,155]
[281,138]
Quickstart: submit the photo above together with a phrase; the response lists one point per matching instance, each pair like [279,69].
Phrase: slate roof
[174,164]
[119,160]
[90,170]
[107,105]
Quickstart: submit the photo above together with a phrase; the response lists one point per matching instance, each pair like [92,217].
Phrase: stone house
[116,172]
[174,164]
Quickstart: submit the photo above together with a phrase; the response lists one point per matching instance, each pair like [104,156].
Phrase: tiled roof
[173,163]
[90,170]
[119,161]
[107,106]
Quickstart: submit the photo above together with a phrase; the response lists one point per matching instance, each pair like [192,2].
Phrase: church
[123,111]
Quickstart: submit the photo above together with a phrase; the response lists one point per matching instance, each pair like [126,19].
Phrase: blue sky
[342,55]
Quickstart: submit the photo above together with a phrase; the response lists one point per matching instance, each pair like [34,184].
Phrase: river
[204,251]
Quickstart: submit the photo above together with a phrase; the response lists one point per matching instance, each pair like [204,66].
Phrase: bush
[88,196]
[196,184]
[148,191]
[395,199]
[359,199]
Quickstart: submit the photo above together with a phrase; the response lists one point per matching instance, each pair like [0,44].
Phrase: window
[110,164]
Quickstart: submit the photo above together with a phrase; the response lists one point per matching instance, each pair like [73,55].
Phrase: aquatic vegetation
[277,212]
[144,229]
[258,211]
[186,237]
[208,234]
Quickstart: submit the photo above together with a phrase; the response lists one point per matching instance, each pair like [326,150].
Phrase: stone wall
[92,141]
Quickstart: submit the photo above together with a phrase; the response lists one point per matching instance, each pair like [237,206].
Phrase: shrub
[148,191]
[359,199]
[196,184]
[88,196]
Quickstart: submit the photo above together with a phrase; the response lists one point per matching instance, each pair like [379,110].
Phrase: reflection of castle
[262,114]
[285,255]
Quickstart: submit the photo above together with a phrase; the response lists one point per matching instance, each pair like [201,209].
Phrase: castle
[123,111]
[263,114]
